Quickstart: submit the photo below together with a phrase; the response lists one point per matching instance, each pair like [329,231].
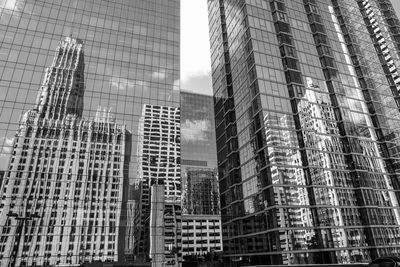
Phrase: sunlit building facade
[307,123]
[62,167]
[158,236]
[131,59]
[201,235]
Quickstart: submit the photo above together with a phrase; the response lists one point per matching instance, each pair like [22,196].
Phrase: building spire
[63,86]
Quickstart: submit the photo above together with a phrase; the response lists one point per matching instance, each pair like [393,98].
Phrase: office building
[307,127]
[198,130]
[201,220]
[201,235]
[199,154]
[65,172]
[201,194]
[158,236]
[201,217]
[131,58]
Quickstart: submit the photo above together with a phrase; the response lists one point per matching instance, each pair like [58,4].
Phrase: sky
[396,4]
[195,47]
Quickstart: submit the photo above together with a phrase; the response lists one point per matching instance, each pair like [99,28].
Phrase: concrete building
[201,234]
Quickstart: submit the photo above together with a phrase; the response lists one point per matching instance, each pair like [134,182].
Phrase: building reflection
[66,175]
[306,135]
[158,229]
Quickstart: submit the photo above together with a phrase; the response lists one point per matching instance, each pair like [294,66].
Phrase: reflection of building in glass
[201,220]
[159,233]
[281,155]
[131,213]
[201,192]
[65,177]
[1,177]
[307,124]
[198,130]
[131,55]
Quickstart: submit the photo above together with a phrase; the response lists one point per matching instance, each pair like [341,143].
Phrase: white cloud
[5,151]
[195,49]
[11,5]
[6,144]
[177,84]
[195,130]
[159,75]
[125,84]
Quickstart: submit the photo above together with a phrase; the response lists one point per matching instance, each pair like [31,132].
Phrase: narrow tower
[62,91]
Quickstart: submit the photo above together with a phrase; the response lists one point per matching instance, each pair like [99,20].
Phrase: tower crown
[62,90]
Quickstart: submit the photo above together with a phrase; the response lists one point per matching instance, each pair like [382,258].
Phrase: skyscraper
[201,220]
[159,231]
[131,59]
[307,118]
[198,155]
[64,173]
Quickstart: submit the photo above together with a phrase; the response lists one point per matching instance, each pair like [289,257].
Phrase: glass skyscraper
[201,220]
[130,58]
[307,119]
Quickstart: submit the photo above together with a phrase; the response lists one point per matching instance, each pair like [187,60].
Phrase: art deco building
[201,220]
[62,191]
[307,123]
[132,58]
[158,235]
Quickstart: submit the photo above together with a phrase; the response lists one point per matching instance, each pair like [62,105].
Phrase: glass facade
[200,194]
[201,220]
[160,185]
[198,130]
[131,58]
[199,162]
[307,118]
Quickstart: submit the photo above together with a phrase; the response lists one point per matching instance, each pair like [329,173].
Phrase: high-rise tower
[63,87]
[63,188]
[307,122]
[201,217]
[159,230]
[131,59]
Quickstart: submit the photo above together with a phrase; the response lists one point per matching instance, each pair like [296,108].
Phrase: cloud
[199,84]
[123,84]
[11,5]
[6,144]
[5,151]
[161,75]
[177,85]
[195,130]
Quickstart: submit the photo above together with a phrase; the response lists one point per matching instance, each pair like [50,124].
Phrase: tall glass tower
[131,59]
[307,121]
[201,220]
